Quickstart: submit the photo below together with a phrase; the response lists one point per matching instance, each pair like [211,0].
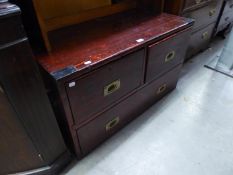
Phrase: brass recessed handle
[205,35]
[212,12]
[161,89]
[112,87]
[110,125]
[170,56]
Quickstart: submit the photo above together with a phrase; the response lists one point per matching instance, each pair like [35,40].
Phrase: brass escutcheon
[170,56]
[212,12]
[110,125]
[205,35]
[162,89]
[112,87]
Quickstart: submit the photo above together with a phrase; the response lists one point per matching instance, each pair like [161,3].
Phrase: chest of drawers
[205,13]
[102,79]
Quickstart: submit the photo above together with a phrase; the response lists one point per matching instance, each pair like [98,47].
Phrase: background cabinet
[30,138]
[205,13]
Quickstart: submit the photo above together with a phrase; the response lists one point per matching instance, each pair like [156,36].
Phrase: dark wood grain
[17,151]
[24,88]
[101,40]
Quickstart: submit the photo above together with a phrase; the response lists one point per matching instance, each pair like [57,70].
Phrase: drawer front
[92,134]
[205,15]
[228,6]
[11,29]
[92,93]
[165,55]
[193,3]
[200,40]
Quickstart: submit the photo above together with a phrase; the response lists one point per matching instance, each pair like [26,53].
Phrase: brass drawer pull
[110,125]
[162,89]
[212,12]
[112,87]
[170,56]
[205,35]
[198,1]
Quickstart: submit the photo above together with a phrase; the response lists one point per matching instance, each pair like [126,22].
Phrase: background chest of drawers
[226,17]
[205,13]
[101,79]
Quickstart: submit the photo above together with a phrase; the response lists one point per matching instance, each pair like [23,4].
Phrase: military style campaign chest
[104,72]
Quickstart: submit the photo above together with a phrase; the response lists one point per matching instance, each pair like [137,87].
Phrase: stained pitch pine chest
[105,72]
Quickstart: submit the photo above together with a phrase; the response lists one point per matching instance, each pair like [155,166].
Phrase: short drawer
[200,40]
[165,55]
[189,4]
[91,94]
[92,134]
[11,28]
[205,15]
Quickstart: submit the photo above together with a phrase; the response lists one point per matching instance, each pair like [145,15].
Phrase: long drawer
[112,120]
[205,15]
[166,54]
[200,40]
[92,93]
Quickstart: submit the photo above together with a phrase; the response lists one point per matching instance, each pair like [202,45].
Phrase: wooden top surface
[83,46]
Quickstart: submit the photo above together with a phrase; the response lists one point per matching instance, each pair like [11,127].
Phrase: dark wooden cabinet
[205,13]
[31,141]
[18,152]
[102,79]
